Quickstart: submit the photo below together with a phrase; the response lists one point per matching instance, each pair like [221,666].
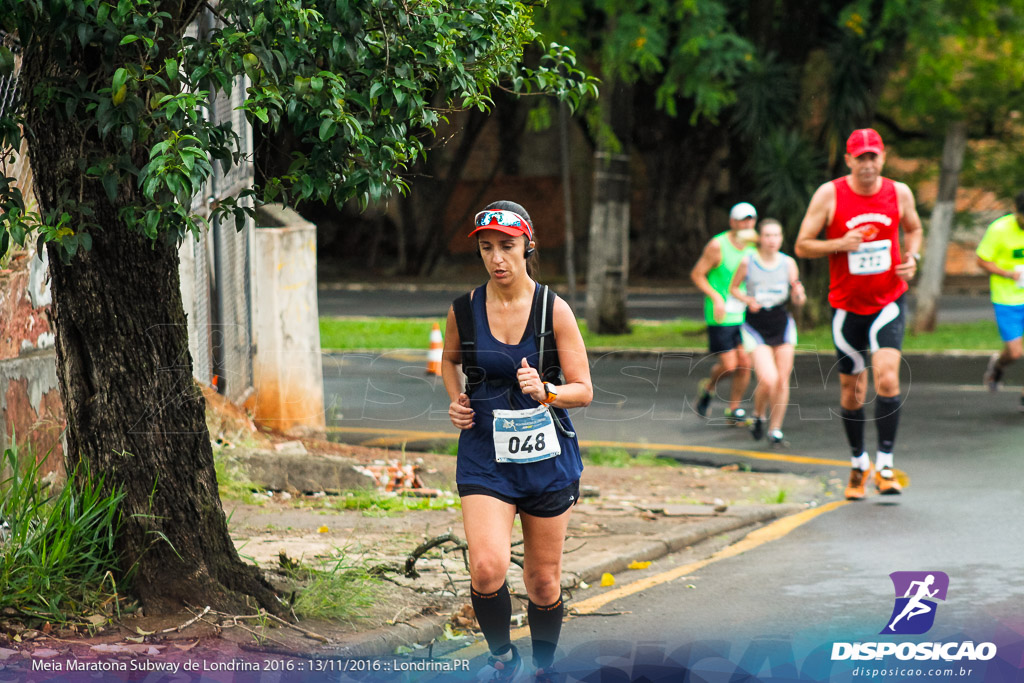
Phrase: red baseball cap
[864,140]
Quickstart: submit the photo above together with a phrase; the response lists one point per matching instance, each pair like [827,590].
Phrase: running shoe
[703,398]
[776,439]
[885,482]
[498,670]
[858,481]
[736,417]
[993,374]
[757,428]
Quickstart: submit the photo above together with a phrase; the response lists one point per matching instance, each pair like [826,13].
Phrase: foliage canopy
[355,80]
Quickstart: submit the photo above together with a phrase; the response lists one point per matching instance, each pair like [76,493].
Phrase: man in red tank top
[861,215]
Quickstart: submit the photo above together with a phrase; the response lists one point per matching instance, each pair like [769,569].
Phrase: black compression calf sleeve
[853,423]
[493,613]
[887,417]
[545,626]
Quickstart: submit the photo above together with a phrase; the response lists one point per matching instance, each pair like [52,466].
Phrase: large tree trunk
[933,267]
[134,413]
[608,259]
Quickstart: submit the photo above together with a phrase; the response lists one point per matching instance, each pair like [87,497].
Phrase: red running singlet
[865,281]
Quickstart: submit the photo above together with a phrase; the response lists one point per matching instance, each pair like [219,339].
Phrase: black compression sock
[853,423]
[887,417]
[545,626]
[493,613]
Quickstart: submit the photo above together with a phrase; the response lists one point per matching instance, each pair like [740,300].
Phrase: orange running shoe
[885,482]
[858,482]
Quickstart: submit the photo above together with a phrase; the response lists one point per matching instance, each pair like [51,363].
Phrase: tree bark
[608,259]
[933,267]
[135,416]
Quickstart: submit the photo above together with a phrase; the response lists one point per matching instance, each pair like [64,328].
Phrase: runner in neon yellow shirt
[1001,255]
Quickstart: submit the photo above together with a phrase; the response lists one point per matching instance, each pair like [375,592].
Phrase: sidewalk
[626,515]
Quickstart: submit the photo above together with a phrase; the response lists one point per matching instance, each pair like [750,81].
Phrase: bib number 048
[522,436]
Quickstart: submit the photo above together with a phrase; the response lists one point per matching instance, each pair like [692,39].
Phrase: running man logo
[916,593]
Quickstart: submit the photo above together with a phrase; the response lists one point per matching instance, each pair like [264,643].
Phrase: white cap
[741,211]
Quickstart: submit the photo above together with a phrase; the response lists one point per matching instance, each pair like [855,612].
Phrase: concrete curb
[384,641]
[678,539]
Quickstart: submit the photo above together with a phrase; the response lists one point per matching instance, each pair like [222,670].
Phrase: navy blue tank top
[476,464]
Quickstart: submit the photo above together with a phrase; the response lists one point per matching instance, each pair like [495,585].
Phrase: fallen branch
[303,631]
[189,622]
[422,548]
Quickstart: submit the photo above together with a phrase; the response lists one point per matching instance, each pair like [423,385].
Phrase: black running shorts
[547,504]
[723,338]
[855,336]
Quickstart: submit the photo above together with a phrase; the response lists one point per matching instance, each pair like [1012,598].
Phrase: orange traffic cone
[436,349]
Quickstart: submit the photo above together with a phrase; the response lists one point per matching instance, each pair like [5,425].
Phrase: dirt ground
[314,530]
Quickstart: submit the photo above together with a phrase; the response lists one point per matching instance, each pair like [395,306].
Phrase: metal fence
[221,322]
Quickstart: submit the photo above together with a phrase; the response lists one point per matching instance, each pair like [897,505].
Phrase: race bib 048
[871,258]
[522,436]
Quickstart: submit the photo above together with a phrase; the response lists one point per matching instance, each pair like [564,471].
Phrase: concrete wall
[287,368]
[31,408]
[30,405]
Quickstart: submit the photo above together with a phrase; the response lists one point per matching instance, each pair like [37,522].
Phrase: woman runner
[769,332]
[517,453]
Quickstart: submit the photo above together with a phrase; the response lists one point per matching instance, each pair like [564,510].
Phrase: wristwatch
[914,255]
[552,393]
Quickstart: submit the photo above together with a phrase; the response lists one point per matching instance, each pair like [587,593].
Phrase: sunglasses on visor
[508,219]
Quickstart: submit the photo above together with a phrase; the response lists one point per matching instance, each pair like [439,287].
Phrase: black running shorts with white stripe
[855,336]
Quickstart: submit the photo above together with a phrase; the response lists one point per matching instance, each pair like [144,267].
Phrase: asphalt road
[646,402]
[777,609]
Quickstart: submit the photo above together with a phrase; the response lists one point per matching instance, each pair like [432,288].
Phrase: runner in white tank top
[771,279]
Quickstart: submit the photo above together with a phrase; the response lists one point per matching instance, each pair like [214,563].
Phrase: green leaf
[316,83]
[171,67]
[110,186]
[130,38]
[250,62]
[327,128]
[120,78]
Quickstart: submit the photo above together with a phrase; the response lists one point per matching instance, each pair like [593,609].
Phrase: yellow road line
[758,537]
[678,448]
[391,437]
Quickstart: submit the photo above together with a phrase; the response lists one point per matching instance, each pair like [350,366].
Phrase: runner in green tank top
[724,313]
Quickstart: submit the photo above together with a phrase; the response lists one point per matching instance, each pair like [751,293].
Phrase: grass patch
[232,482]
[375,503]
[376,333]
[778,497]
[619,457]
[57,557]
[405,333]
[334,589]
[980,335]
